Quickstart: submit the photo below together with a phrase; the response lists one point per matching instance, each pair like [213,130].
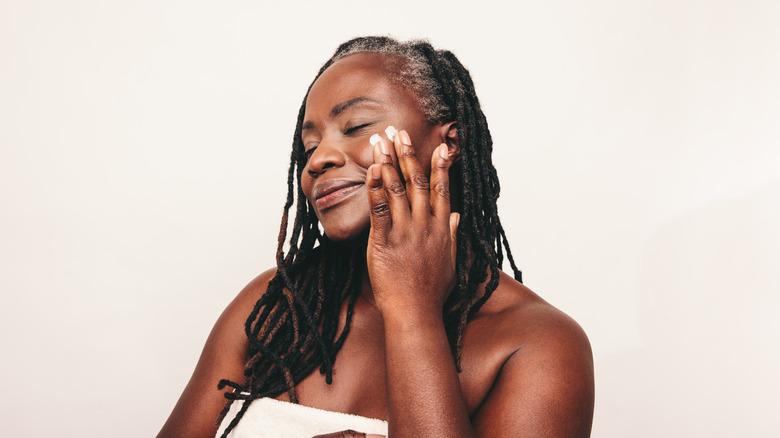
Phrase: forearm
[423,388]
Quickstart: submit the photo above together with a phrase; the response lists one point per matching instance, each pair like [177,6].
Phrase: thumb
[454,222]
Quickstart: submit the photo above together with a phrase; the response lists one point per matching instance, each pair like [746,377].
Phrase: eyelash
[352,130]
[356,128]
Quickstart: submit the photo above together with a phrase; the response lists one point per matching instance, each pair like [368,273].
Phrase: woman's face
[348,103]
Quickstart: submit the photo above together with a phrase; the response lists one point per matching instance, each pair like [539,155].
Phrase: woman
[399,311]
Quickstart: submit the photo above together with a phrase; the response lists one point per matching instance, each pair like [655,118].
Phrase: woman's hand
[412,242]
[411,266]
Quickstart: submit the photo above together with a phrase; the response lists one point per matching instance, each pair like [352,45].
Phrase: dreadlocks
[293,328]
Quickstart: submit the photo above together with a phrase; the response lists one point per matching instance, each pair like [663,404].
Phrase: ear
[449,135]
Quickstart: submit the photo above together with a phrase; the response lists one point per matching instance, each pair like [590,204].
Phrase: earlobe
[449,136]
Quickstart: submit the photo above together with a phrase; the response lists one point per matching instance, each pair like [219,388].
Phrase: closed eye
[307,153]
[357,128]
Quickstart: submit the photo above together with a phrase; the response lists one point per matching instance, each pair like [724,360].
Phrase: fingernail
[376,171]
[374,139]
[405,138]
[391,132]
[443,152]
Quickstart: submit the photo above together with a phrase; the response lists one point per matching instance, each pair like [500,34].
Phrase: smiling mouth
[333,197]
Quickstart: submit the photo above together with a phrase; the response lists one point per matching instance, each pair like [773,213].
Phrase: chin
[346,234]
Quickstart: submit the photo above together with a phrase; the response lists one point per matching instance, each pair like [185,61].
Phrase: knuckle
[442,189]
[420,181]
[395,187]
[380,208]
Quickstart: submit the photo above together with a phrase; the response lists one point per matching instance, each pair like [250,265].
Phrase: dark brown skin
[527,367]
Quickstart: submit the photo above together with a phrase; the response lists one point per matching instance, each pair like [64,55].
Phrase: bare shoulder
[532,319]
[223,357]
[545,384]
[248,296]
[228,335]
[520,322]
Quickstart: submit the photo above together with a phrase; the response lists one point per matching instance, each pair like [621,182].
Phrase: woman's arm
[223,357]
[544,389]
[412,270]
[423,387]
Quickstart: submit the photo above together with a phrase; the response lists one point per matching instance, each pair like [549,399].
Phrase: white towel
[271,418]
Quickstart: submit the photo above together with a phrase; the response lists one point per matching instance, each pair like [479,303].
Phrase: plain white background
[144,148]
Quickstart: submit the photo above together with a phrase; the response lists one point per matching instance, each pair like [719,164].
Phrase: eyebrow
[343,106]
[340,108]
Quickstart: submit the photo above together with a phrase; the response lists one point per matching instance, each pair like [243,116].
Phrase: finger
[417,187]
[393,186]
[440,181]
[375,140]
[454,222]
[379,207]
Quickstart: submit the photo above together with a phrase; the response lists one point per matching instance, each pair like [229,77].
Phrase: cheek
[424,144]
[307,184]
[364,155]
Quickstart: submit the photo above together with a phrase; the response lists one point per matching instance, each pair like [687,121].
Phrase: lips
[329,193]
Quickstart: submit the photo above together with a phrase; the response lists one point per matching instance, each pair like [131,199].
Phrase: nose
[327,155]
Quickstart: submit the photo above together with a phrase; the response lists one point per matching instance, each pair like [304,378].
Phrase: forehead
[357,75]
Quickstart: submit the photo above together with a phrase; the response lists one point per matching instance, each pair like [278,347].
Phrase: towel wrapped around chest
[270,418]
